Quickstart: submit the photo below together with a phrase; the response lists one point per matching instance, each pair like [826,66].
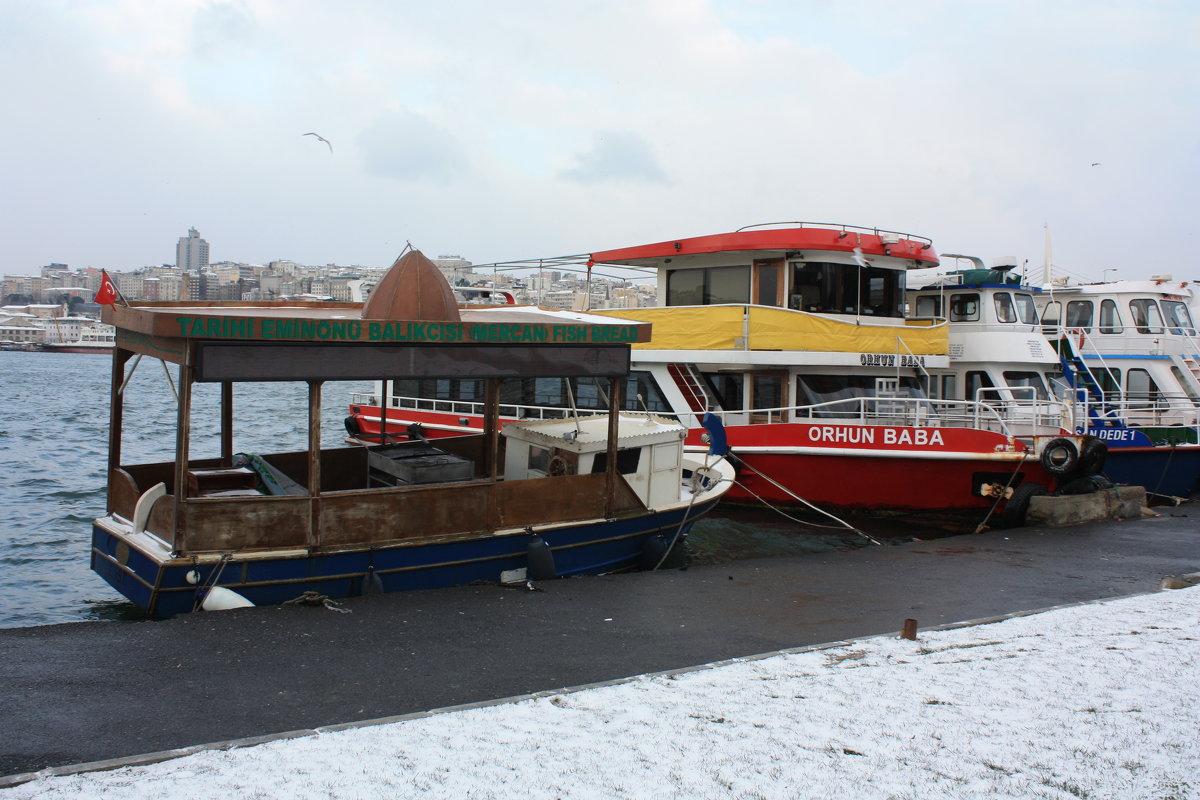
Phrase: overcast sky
[509,130]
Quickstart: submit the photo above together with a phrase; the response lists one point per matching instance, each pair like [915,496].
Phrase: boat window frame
[1110,317]
[1169,307]
[1027,313]
[1006,310]
[958,301]
[1077,321]
[708,281]
[1146,396]
[1142,310]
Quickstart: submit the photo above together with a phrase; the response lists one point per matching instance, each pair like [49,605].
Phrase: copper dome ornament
[413,289]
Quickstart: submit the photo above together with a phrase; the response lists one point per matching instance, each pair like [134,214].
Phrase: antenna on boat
[574,410]
[1048,270]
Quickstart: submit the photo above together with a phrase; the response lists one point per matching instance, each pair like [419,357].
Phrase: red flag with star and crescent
[109,294]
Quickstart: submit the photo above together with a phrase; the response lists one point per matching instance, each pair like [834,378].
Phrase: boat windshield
[818,389]
[1179,320]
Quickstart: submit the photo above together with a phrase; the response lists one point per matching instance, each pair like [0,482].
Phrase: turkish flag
[109,293]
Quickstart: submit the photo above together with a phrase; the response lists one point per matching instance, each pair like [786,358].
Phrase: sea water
[54,423]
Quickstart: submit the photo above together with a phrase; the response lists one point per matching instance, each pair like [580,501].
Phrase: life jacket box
[401,465]
[212,481]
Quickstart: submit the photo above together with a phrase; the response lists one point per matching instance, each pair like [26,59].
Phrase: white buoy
[219,598]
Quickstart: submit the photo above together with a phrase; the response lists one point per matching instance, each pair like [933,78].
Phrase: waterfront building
[191,253]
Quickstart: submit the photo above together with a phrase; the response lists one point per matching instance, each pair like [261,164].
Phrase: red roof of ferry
[837,238]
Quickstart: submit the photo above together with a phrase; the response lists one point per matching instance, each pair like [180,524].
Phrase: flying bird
[322,138]
[1095,163]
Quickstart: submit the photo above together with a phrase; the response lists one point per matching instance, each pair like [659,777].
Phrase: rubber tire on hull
[1060,457]
[1092,455]
[1017,506]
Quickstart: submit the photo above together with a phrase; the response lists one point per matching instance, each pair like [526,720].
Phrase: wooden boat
[595,494]
[795,336]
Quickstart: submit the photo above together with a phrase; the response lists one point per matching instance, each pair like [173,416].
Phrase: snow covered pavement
[1093,701]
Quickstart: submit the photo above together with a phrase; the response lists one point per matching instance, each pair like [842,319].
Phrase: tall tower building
[192,252]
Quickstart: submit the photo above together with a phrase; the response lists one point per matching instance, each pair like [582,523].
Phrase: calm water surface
[54,444]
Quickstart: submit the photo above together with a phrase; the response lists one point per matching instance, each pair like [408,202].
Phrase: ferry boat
[793,335]
[1131,350]
[584,494]
[93,338]
[1001,347]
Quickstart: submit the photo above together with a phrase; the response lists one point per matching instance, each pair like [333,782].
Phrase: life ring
[1017,506]
[557,467]
[1059,456]
[1092,455]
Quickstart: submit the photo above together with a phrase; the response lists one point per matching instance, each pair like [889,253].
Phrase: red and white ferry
[794,335]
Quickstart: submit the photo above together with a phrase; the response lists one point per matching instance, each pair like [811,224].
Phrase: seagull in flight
[322,138]
[1094,163]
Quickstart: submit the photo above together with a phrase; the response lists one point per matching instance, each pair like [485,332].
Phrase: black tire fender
[1092,455]
[1017,506]
[1059,456]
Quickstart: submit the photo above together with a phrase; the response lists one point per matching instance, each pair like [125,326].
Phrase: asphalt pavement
[91,691]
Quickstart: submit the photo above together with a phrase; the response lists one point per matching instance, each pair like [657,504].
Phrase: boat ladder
[695,391]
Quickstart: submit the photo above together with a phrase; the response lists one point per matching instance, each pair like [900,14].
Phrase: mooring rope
[795,496]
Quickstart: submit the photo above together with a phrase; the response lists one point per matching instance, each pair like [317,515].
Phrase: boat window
[767,283]
[976,380]
[727,285]
[1026,308]
[1051,314]
[1032,379]
[1146,316]
[949,387]
[1110,318]
[1178,318]
[728,388]
[1079,314]
[1005,310]
[685,287]
[964,307]
[1109,381]
[768,396]
[548,392]
[1140,389]
[818,389]
[642,383]
[929,306]
[834,288]
[627,461]
[708,286]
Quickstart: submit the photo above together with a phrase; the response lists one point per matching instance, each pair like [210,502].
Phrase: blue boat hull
[160,585]
[1164,470]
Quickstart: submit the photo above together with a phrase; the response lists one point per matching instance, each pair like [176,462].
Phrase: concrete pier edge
[145,759]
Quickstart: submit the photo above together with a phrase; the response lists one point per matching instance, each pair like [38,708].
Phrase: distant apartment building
[191,253]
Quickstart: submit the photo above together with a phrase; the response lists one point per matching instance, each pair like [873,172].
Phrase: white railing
[1016,417]
[468,408]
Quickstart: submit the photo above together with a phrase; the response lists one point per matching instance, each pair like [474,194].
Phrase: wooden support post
[314,462]
[227,424]
[116,416]
[615,401]
[183,434]
[491,428]
[909,631]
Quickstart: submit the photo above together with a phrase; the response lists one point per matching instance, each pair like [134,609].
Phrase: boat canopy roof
[790,241]
[348,341]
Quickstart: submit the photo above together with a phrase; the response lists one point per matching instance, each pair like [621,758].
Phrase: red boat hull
[876,467]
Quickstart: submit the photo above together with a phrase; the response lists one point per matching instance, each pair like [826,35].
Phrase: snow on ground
[1094,701]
